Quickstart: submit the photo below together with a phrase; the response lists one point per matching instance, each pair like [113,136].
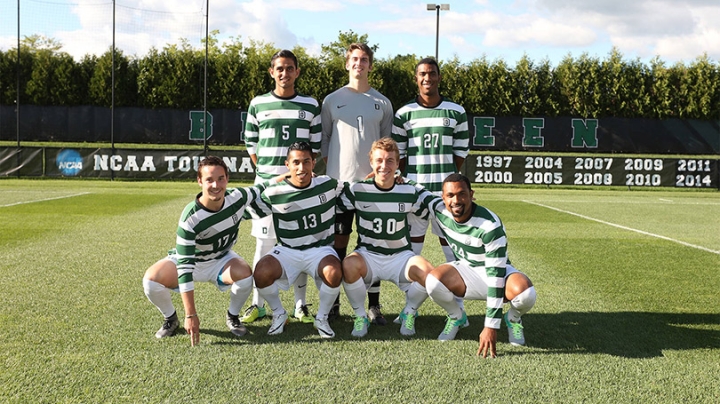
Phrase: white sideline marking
[625,228]
[43,200]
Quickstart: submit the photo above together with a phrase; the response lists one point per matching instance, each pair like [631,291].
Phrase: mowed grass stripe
[625,227]
[43,199]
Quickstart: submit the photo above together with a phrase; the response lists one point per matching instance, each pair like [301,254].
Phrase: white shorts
[263,228]
[476,285]
[383,267]
[210,271]
[418,226]
[294,262]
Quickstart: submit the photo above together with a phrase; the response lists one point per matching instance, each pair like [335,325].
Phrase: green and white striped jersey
[274,123]
[203,235]
[303,217]
[481,243]
[381,215]
[430,138]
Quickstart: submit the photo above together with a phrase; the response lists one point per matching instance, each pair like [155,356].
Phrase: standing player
[275,121]
[303,211]
[206,233]
[383,251]
[353,117]
[432,133]
[481,271]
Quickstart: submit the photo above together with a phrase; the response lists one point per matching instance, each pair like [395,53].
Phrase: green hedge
[173,77]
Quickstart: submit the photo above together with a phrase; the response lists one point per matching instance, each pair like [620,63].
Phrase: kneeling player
[206,233]
[384,251]
[303,211]
[481,271]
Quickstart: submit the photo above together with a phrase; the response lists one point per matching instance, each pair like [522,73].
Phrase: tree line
[173,77]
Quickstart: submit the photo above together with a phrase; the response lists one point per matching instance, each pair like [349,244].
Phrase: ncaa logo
[446,121]
[69,162]
[301,114]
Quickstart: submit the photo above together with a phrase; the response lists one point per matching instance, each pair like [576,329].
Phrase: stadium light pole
[437,8]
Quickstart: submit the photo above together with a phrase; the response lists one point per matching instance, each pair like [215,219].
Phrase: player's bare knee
[515,284]
[352,268]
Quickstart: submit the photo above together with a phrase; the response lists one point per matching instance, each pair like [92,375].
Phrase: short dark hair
[363,47]
[428,61]
[300,146]
[457,177]
[212,161]
[283,54]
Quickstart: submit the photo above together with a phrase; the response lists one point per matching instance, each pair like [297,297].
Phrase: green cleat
[360,327]
[516,335]
[253,313]
[452,326]
[303,314]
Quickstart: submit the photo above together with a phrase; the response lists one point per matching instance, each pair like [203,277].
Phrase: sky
[675,31]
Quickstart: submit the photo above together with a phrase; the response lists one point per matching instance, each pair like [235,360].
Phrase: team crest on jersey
[301,114]
[235,218]
[446,121]
[401,207]
[377,106]
[323,198]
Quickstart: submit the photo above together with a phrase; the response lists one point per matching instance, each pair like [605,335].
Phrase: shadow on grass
[623,334]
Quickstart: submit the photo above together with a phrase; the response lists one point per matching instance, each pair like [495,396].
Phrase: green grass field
[628,308]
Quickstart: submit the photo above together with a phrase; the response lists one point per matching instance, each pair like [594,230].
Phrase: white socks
[355,293]
[327,298]
[262,247]
[521,304]
[159,295]
[414,298]
[441,295]
[300,289]
[239,293]
[271,294]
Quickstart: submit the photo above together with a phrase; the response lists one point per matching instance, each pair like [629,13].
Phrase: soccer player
[432,133]
[481,270]
[303,212]
[353,117]
[206,233]
[275,121]
[383,251]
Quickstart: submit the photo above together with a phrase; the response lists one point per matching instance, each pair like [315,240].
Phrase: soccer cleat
[452,326]
[376,316]
[323,327]
[334,312]
[169,326]
[516,335]
[253,313]
[360,327]
[278,324]
[407,322]
[398,320]
[235,326]
[303,314]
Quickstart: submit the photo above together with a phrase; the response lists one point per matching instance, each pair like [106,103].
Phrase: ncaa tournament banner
[140,163]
